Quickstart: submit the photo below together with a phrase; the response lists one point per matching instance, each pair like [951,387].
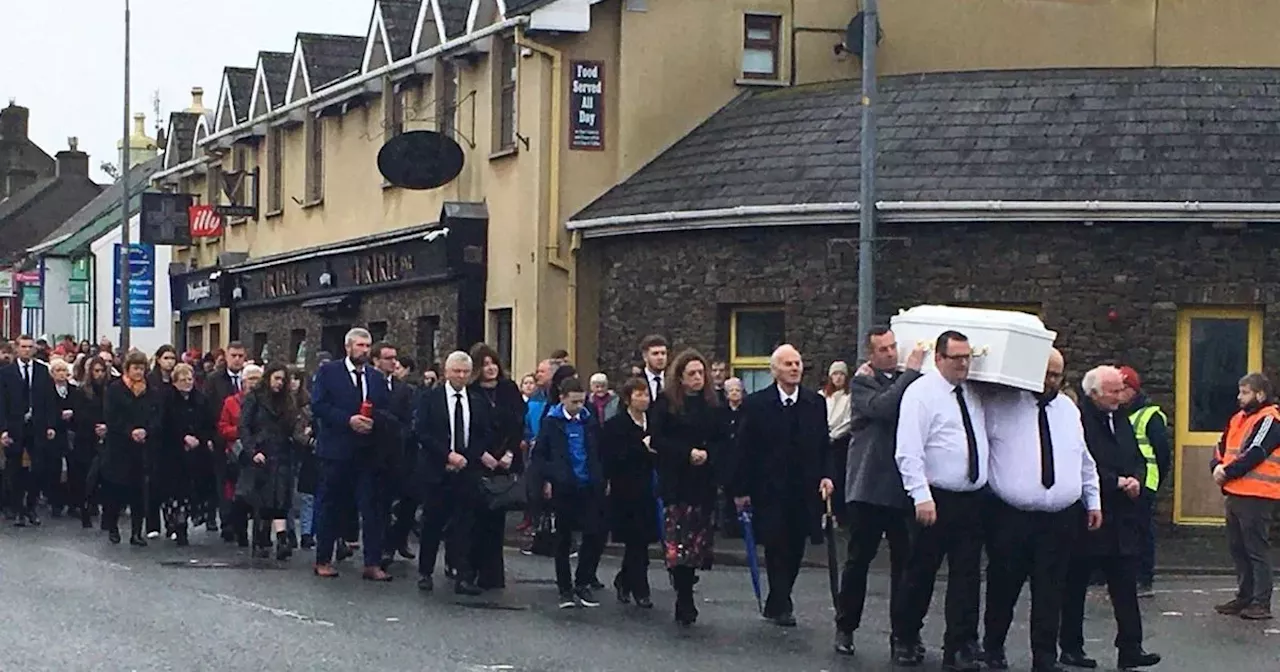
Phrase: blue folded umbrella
[753,558]
[662,519]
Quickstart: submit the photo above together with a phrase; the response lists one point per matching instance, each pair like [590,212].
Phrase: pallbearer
[1045,481]
[781,474]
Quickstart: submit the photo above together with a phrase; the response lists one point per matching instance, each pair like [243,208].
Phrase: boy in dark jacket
[572,478]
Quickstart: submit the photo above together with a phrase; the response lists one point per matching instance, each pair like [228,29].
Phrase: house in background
[22,161]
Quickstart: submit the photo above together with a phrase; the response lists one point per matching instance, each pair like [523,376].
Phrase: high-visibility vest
[1139,420]
[1264,480]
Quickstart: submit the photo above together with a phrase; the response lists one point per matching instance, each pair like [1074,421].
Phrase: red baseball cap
[1131,378]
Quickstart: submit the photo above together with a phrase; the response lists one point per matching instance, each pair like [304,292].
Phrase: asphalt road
[73,602]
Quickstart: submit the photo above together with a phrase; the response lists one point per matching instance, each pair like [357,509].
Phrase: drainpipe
[554,256]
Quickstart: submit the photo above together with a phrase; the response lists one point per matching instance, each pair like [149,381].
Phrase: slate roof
[400,18]
[139,179]
[241,82]
[454,14]
[275,68]
[24,197]
[331,57]
[518,7]
[182,133]
[1142,134]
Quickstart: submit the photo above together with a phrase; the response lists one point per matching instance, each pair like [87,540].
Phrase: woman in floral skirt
[687,433]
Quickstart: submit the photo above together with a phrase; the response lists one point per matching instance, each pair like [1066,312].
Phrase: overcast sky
[71,56]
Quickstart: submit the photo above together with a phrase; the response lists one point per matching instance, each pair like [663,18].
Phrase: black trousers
[400,524]
[115,498]
[589,553]
[21,486]
[449,506]
[1121,572]
[956,536]
[633,576]
[486,547]
[78,478]
[782,560]
[868,524]
[1035,545]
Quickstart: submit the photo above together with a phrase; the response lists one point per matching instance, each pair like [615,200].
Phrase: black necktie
[459,425]
[657,386]
[359,374]
[788,402]
[968,434]
[235,381]
[1046,447]
[26,380]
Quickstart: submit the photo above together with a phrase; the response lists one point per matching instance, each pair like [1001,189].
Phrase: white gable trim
[475,11]
[225,103]
[168,144]
[259,85]
[202,124]
[432,6]
[298,69]
[377,28]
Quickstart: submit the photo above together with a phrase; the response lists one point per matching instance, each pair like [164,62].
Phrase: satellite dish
[853,34]
[420,160]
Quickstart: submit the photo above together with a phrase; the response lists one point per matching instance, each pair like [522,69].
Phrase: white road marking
[274,611]
[392,619]
[1193,591]
[1271,631]
[85,557]
[1171,613]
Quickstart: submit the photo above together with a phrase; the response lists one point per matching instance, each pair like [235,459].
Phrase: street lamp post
[867,187]
[125,156]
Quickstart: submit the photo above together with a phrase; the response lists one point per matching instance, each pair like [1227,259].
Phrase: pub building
[421,288]
[202,299]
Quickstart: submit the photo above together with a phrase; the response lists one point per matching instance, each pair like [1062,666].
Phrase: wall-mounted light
[326,279]
[237,293]
[438,233]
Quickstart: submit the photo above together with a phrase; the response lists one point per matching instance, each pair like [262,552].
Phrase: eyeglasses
[958,358]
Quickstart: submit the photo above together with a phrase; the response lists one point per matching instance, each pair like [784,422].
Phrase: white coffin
[1009,348]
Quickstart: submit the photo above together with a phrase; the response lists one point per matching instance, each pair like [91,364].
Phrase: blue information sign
[142,285]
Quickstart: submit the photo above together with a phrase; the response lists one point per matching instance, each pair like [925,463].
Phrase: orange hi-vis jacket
[1246,431]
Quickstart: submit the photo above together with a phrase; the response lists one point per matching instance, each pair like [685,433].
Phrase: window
[392,109]
[761,46]
[314,128]
[298,347]
[447,100]
[504,86]
[427,333]
[213,184]
[500,330]
[215,336]
[275,168]
[753,335]
[333,337]
[195,338]
[378,331]
[259,352]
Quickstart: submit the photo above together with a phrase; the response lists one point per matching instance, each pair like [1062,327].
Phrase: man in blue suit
[348,437]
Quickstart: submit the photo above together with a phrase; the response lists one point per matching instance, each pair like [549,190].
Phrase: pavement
[74,602]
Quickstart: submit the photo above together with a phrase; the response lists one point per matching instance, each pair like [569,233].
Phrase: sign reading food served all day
[586,105]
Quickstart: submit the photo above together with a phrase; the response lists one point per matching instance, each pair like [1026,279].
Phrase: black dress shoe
[137,540]
[467,588]
[624,595]
[33,519]
[425,584]
[995,660]
[113,536]
[1132,660]
[1077,659]
[596,585]
[308,542]
[844,643]
[907,654]
[785,620]
[644,603]
[211,525]
[406,553]
[344,551]
[960,661]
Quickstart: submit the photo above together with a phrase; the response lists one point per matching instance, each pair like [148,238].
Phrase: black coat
[1117,455]
[577,506]
[432,433]
[506,418]
[177,467]
[217,387]
[629,468]
[698,425]
[782,459]
[90,406]
[43,408]
[267,430]
[125,461]
[61,445]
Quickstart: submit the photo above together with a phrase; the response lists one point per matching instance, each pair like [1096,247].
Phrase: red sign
[205,222]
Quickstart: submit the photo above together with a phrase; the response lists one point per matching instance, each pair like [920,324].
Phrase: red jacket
[229,419]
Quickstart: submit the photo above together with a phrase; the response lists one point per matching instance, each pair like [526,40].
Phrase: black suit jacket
[432,432]
[44,411]
[1117,455]
[779,468]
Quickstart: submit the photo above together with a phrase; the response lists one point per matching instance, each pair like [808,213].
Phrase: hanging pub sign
[586,105]
[163,218]
[204,221]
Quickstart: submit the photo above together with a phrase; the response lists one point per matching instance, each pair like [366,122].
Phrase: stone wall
[683,285]
[401,309]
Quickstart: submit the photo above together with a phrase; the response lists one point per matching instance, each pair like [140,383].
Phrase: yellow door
[1215,348]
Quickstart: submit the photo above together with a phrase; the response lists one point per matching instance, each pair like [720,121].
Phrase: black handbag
[503,492]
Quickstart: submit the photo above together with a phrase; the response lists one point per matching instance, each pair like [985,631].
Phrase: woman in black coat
[184,463]
[506,410]
[90,431]
[688,433]
[58,453]
[133,431]
[629,457]
[270,431]
[159,380]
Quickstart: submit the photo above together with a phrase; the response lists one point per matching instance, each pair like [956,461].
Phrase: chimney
[197,99]
[13,122]
[139,125]
[72,161]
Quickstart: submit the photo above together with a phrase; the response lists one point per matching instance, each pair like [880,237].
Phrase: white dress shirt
[364,381]
[933,449]
[452,400]
[1013,428]
[655,381]
[784,397]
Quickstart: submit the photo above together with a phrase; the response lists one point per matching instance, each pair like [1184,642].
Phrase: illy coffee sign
[586,105]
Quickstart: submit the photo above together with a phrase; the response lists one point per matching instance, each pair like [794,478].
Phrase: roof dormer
[391,32]
[270,82]
[234,98]
[484,13]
